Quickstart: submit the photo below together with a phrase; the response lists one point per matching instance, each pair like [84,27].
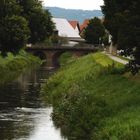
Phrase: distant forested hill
[71,14]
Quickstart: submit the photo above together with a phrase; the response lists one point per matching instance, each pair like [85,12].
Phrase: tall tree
[122,19]
[9,8]
[39,20]
[40,25]
[14,31]
[94,32]
[18,18]
[13,34]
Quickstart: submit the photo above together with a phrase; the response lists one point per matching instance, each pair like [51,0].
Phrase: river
[23,114]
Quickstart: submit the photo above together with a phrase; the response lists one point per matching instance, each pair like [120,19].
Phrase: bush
[12,66]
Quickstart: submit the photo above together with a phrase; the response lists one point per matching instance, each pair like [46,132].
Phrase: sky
[75,4]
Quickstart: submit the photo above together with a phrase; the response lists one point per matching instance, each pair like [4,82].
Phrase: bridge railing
[86,45]
[80,46]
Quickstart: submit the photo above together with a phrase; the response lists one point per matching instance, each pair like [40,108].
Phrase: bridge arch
[40,54]
[57,55]
[52,54]
[55,58]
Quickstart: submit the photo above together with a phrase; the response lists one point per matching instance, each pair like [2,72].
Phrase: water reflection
[23,115]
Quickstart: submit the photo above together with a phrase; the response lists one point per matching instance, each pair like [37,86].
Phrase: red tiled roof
[84,25]
[73,23]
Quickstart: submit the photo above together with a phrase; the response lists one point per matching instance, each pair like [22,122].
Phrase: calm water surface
[23,114]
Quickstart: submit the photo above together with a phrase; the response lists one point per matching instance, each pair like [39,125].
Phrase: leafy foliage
[39,20]
[9,8]
[94,31]
[14,30]
[122,21]
[14,34]
[105,39]
[23,21]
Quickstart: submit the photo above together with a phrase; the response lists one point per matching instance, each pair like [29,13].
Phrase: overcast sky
[75,4]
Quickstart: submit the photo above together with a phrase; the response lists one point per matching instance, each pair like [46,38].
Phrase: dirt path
[115,58]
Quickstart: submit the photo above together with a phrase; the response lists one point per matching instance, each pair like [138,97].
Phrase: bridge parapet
[63,48]
[53,53]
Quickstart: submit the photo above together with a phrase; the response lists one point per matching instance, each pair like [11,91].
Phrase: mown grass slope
[93,100]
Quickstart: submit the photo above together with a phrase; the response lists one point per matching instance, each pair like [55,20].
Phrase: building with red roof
[84,25]
[64,29]
[75,25]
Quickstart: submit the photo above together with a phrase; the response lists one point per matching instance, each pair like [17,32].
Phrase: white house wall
[77,30]
[65,29]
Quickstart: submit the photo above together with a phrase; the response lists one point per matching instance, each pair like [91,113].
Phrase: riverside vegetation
[12,66]
[94,99]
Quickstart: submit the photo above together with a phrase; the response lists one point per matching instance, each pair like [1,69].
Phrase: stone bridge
[52,54]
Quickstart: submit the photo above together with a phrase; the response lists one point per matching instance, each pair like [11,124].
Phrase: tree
[122,19]
[14,33]
[40,23]
[14,30]
[9,8]
[18,18]
[105,39]
[94,31]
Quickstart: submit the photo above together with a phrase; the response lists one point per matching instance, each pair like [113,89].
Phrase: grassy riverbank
[11,66]
[65,58]
[93,100]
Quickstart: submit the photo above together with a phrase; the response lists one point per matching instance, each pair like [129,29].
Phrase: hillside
[71,14]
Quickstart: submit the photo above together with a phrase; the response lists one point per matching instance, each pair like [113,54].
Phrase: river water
[23,114]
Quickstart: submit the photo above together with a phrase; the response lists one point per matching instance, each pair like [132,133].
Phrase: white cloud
[75,4]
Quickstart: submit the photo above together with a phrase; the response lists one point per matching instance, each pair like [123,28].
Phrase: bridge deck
[64,48]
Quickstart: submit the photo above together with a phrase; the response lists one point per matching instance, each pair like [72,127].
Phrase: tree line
[122,20]
[22,22]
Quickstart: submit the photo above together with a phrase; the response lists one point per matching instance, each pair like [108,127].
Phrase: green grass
[66,58]
[93,100]
[11,66]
